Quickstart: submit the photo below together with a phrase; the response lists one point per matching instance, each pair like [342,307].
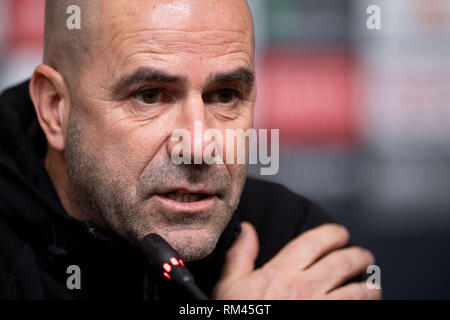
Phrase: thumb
[240,258]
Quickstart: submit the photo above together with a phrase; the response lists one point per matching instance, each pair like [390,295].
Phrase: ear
[51,101]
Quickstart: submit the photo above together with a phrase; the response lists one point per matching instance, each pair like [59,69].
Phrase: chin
[193,244]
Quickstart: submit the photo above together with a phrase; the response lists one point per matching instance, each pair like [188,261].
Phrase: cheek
[235,141]
[236,171]
[238,174]
[125,146]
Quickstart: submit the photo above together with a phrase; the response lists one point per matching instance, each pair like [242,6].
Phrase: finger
[310,246]
[339,266]
[355,291]
[240,258]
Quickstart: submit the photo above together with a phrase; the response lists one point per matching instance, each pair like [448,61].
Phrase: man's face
[158,66]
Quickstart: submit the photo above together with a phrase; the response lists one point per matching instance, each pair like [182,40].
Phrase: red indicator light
[181,262]
[174,261]
[167,275]
[167,267]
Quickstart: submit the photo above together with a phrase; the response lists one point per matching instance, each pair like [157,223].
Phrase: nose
[188,140]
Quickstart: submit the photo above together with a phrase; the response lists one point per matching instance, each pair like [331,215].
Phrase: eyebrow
[241,74]
[146,75]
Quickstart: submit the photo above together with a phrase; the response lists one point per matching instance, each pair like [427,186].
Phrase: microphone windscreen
[157,250]
[164,258]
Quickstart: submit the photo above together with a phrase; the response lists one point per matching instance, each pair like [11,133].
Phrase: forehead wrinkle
[134,48]
[187,38]
[135,38]
[144,57]
[128,64]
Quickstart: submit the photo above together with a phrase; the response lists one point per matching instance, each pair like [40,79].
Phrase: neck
[56,167]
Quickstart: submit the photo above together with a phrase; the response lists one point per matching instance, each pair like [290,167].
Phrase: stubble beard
[100,193]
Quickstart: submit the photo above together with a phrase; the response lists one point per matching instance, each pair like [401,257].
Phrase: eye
[152,96]
[225,95]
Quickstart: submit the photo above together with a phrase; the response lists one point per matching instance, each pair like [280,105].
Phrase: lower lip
[187,207]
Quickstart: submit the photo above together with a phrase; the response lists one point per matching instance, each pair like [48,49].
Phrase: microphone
[164,259]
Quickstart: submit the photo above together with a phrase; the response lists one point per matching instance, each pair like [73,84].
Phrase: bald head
[65,49]
[69,50]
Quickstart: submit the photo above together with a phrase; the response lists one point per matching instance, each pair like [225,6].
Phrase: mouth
[188,201]
[185,196]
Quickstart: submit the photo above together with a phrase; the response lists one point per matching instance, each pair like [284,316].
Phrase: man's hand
[312,266]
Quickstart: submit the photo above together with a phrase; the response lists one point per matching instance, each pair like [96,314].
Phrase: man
[87,172]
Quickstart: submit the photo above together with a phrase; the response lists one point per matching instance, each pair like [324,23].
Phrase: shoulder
[262,200]
[278,214]
[16,98]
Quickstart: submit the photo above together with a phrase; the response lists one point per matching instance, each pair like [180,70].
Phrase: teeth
[182,196]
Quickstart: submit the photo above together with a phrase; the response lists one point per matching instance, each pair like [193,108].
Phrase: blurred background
[364,119]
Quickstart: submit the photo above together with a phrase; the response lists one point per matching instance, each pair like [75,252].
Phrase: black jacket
[39,240]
